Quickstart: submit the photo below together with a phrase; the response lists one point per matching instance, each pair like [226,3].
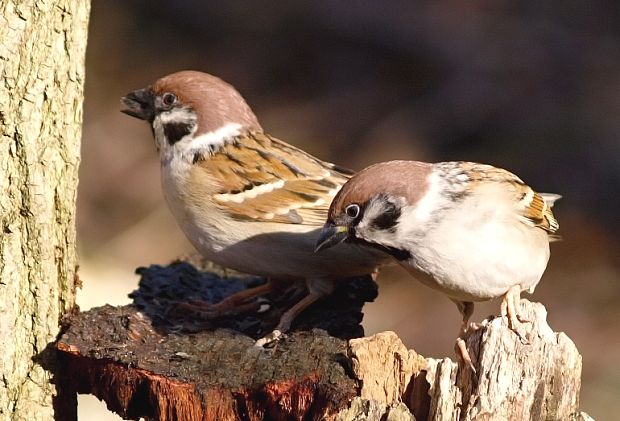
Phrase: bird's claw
[463,354]
[473,327]
[275,336]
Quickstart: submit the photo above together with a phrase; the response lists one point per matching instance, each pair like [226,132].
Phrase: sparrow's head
[369,207]
[191,110]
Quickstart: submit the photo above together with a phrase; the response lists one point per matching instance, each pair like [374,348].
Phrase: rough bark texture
[535,376]
[115,354]
[158,360]
[145,366]
[42,47]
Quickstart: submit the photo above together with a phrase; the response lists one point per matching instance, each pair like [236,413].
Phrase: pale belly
[481,263]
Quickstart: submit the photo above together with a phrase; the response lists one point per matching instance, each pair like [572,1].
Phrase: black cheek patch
[388,218]
[176,131]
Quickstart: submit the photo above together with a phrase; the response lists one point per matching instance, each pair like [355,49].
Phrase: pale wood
[384,366]
[371,410]
[42,50]
[535,375]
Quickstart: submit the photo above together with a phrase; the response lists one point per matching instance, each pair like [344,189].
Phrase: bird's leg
[317,288]
[466,308]
[510,306]
[237,302]
[287,318]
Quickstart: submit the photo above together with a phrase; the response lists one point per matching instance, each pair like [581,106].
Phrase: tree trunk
[42,50]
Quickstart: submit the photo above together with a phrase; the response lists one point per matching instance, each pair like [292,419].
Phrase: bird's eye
[169,99]
[353,210]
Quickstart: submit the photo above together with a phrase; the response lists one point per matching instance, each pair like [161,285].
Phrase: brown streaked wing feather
[533,205]
[265,179]
[484,172]
[539,212]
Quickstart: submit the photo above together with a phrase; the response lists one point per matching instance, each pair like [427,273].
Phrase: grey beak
[140,104]
[331,235]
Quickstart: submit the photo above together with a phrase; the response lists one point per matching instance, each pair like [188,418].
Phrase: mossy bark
[42,50]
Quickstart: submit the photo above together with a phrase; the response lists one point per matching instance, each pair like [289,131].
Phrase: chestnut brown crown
[214,102]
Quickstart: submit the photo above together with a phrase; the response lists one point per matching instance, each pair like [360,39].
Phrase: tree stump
[153,360]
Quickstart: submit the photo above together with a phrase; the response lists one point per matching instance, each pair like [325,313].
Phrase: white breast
[202,222]
[477,250]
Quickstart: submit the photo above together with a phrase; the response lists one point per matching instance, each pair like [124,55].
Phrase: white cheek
[167,151]
[210,140]
[387,237]
[180,115]
[177,115]
[190,144]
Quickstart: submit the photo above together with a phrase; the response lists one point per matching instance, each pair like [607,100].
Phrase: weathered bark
[143,364]
[533,377]
[42,47]
[217,375]
[156,359]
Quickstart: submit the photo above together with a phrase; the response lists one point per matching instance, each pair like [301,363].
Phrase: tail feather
[550,198]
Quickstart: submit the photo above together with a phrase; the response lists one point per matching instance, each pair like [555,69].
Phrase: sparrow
[472,231]
[244,199]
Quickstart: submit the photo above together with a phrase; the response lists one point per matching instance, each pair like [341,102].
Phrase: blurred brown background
[534,88]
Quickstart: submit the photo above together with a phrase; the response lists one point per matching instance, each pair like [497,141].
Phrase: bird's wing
[533,207]
[265,179]
[537,210]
